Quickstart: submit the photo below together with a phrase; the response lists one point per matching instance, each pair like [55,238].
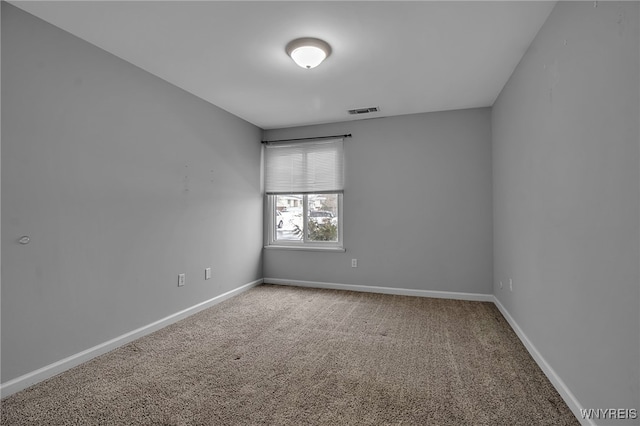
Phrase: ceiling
[403,57]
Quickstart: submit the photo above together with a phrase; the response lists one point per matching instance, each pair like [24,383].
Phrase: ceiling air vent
[358,111]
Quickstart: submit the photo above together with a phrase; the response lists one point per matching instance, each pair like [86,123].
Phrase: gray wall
[122,181]
[566,199]
[417,205]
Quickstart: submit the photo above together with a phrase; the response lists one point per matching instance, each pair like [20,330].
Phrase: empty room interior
[434,221]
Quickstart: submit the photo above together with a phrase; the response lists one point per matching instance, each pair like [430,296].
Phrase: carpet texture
[296,356]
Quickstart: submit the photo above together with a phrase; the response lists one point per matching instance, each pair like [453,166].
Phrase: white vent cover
[363,110]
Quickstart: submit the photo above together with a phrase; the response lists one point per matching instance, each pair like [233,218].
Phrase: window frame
[304,243]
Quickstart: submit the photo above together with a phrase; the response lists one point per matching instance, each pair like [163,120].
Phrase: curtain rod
[309,139]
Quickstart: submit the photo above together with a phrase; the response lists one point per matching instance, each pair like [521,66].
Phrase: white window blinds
[304,167]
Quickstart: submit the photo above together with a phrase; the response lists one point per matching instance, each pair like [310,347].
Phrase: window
[304,184]
[322,213]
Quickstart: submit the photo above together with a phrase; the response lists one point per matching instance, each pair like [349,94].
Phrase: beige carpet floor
[296,356]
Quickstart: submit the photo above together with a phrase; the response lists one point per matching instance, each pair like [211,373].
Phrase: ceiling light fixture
[308,52]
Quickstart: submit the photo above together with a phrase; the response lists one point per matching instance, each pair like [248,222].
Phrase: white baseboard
[568,397]
[24,381]
[385,290]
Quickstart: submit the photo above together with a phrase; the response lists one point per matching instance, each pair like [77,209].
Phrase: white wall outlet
[510,284]
[181,279]
[500,284]
[354,263]
[207,273]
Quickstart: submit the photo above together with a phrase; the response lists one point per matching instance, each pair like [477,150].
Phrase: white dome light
[308,52]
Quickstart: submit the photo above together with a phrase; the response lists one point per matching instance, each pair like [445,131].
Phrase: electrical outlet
[500,284]
[207,273]
[181,280]
[354,263]
[510,284]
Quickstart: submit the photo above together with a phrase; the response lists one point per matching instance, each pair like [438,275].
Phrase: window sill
[305,248]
